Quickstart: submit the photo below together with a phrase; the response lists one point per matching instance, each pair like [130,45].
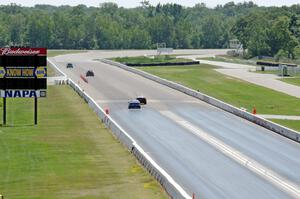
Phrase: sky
[134,3]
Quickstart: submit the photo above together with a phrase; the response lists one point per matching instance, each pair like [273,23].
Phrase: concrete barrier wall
[284,131]
[172,188]
[59,80]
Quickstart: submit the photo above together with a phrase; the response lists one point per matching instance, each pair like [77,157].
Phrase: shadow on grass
[16,125]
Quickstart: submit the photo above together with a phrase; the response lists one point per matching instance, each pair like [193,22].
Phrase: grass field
[230,59]
[147,60]
[70,154]
[294,81]
[51,72]
[231,90]
[274,72]
[293,124]
[53,53]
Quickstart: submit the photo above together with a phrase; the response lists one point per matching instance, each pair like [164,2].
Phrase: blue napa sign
[22,93]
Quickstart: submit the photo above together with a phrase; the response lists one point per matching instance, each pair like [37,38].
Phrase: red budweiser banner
[23,51]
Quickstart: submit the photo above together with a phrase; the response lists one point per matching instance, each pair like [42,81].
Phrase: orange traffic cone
[254,110]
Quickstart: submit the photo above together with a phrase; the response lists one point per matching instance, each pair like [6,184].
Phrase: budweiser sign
[22,51]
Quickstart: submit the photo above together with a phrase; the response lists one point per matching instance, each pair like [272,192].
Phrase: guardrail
[284,131]
[172,188]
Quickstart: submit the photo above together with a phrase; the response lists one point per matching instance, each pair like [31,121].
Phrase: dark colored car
[90,73]
[134,104]
[70,65]
[142,100]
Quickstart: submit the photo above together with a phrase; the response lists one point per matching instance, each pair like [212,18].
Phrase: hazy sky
[134,3]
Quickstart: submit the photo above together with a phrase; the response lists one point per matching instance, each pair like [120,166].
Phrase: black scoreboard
[23,72]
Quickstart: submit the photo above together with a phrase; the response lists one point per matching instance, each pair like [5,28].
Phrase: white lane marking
[242,159]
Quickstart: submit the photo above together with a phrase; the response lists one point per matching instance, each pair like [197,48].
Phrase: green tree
[39,30]
[257,44]
[213,32]
[16,29]
[161,30]
[251,31]
[280,37]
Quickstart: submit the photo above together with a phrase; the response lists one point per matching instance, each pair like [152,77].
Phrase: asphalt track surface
[185,136]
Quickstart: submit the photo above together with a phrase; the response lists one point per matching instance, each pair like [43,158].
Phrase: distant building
[237,46]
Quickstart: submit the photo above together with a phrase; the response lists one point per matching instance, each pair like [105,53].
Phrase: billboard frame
[23,57]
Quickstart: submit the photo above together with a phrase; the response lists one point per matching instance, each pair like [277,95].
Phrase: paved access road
[206,150]
[241,71]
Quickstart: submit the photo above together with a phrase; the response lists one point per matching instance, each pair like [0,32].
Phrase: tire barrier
[173,189]
[274,64]
[284,131]
[164,64]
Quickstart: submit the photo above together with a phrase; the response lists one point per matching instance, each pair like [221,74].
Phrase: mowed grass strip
[149,60]
[231,90]
[51,72]
[294,81]
[53,53]
[293,124]
[70,154]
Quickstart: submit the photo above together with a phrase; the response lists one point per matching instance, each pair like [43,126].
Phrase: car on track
[89,73]
[70,65]
[134,104]
[142,100]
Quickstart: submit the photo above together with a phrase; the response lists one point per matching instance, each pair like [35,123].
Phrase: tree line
[270,31]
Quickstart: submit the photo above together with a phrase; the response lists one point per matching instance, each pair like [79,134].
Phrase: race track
[207,151]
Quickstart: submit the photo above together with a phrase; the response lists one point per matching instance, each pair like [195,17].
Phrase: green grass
[51,71]
[231,90]
[274,72]
[230,59]
[293,124]
[70,154]
[53,53]
[148,60]
[295,81]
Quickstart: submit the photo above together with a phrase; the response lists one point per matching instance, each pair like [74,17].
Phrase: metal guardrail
[167,182]
[282,130]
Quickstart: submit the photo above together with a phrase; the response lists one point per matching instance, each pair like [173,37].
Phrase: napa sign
[22,93]
[23,72]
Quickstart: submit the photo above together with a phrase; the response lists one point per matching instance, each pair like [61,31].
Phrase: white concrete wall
[284,131]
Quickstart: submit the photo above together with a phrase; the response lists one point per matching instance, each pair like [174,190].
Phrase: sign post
[35,111]
[23,74]
[4,111]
